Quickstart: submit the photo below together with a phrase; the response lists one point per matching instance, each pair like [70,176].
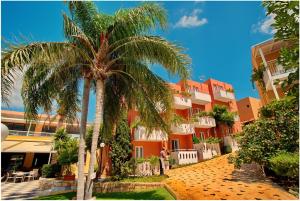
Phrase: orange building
[265,55]
[189,98]
[29,143]
[248,109]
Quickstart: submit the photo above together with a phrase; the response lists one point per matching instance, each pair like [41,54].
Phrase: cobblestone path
[216,179]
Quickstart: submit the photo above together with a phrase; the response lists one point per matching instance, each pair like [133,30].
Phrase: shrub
[50,170]
[276,130]
[285,164]
[196,140]
[227,149]
[213,140]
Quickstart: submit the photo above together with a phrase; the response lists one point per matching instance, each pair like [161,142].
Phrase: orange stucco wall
[248,109]
[150,148]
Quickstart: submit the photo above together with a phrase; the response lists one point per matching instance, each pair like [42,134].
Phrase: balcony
[278,73]
[33,133]
[183,129]
[223,95]
[141,134]
[200,97]
[182,156]
[182,103]
[205,122]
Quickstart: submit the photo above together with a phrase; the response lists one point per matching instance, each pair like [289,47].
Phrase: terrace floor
[216,179]
[19,191]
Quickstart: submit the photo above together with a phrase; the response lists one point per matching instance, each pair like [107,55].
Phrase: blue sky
[217,36]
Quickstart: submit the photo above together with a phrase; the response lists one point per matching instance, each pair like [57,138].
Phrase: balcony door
[175,144]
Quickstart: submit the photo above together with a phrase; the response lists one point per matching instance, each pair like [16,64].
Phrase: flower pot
[69,177]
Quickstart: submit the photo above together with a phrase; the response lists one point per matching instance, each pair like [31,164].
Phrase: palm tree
[111,54]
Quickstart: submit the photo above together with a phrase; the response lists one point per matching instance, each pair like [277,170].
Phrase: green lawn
[154,178]
[156,194]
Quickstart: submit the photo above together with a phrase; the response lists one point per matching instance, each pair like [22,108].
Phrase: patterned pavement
[216,179]
[19,191]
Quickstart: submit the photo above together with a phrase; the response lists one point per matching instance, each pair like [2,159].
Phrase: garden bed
[154,178]
[154,194]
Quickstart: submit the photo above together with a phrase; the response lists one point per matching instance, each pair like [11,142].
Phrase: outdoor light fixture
[4,132]
[102,144]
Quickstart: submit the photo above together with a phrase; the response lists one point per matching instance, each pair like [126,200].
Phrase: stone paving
[19,191]
[216,179]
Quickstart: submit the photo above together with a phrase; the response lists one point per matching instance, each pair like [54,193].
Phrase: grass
[156,194]
[154,178]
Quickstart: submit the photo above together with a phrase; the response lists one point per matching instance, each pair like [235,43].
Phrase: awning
[21,147]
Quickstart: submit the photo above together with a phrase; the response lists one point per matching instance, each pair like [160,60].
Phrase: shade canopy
[23,146]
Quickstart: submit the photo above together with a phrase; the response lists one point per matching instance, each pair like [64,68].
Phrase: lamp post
[102,145]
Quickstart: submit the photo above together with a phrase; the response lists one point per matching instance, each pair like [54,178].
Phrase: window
[175,144]
[248,106]
[139,152]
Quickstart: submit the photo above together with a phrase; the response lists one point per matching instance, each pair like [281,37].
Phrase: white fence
[185,156]
[145,169]
[207,151]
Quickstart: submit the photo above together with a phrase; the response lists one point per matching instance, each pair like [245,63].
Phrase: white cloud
[193,20]
[15,99]
[265,25]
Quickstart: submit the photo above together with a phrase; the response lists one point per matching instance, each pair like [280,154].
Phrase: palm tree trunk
[60,122]
[81,152]
[97,124]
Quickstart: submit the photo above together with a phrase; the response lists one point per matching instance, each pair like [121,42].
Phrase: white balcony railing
[277,72]
[185,156]
[205,122]
[200,97]
[182,102]
[142,134]
[39,134]
[183,129]
[223,95]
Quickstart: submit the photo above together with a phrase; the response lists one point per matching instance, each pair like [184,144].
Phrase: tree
[121,150]
[276,130]
[286,25]
[111,54]
[222,115]
[67,149]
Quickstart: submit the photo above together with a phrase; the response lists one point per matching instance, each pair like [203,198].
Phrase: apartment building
[248,108]
[29,143]
[190,98]
[265,54]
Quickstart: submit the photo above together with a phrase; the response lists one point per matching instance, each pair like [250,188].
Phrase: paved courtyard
[19,191]
[216,179]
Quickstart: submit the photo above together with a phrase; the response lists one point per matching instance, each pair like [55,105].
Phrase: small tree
[222,115]
[121,150]
[67,149]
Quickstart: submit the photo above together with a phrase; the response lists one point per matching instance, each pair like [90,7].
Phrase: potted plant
[67,151]
[172,162]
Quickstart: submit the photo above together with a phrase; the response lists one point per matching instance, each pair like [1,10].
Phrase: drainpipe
[269,73]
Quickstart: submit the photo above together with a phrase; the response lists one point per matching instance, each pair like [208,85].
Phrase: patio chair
[30,175]
[9,175]
[35,173]
[19,175]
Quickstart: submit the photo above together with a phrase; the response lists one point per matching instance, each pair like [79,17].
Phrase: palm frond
[131,22]
[154,50]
